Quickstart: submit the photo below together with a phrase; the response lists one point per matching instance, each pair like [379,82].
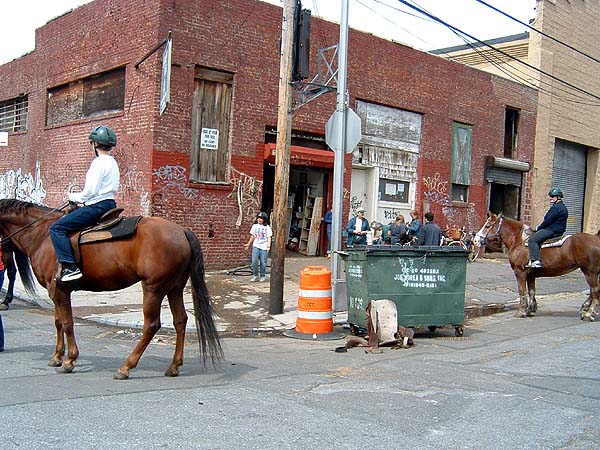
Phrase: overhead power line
[451,27]
[538,31]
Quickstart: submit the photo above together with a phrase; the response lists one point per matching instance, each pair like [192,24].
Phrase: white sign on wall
[3,138]
[209,138]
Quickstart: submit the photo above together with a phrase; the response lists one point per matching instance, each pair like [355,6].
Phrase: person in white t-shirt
[97,197]
[260,239]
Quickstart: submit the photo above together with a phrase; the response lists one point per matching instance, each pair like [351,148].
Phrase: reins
[7,238]
[486,239]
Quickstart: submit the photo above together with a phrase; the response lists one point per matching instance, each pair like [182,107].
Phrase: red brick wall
[242,37]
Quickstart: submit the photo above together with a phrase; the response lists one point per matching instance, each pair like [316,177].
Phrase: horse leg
[523,304]
[11,274]
[151,309]
[59,351]
[532,307]
[179,322]
[591,311]
[63,320]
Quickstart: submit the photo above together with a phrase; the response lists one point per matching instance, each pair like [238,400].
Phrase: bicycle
[461,238]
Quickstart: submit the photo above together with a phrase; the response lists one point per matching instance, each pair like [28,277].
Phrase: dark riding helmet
[262,215]
[104,136]
[555,192]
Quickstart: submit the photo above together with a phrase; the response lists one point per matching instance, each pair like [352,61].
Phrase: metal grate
[13,114]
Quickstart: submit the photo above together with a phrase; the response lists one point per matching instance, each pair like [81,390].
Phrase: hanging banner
[165,80]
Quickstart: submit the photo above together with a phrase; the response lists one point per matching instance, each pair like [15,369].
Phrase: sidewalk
[241,306]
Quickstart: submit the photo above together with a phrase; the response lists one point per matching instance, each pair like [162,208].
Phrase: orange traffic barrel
[315,312]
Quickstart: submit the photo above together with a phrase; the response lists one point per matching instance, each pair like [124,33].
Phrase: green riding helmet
[104,136]
[555,192]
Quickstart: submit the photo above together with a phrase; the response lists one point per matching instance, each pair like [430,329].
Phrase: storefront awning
[303,156]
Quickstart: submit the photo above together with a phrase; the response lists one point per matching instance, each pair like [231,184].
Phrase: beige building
[568,123]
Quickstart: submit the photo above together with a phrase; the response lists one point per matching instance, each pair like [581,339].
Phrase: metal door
[568,174]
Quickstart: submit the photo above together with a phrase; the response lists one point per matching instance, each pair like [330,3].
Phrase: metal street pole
[338,168]
[282,160]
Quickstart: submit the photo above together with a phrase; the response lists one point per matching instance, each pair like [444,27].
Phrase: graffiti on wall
[436,192]
[390,214]
[27,187]
[173,178]
[355,203]
[247,192]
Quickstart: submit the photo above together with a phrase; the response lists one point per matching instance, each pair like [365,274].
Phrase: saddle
[382,329]
[111,226]
[556,241]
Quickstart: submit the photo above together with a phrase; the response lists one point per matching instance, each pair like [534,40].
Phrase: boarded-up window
[93,96]
[209,155]
[13,114]
[460,174]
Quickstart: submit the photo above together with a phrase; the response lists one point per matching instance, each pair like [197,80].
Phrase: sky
[386,18]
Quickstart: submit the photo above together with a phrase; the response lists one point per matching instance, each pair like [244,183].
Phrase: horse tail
[24,268]
[18,261]
[208,337]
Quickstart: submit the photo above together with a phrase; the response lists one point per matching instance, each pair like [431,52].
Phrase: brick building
[433,130]
[567,138]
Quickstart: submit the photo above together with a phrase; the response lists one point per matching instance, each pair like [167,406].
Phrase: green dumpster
[427,284]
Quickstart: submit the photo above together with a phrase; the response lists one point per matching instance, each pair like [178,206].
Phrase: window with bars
[93,96]
[13,114]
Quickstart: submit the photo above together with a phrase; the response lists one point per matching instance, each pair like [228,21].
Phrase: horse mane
[20,205]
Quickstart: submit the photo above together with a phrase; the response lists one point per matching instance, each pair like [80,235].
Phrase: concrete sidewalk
[242,306]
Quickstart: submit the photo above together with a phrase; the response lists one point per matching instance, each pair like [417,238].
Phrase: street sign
[353,132]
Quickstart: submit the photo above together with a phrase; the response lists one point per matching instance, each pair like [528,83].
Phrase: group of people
[396,233]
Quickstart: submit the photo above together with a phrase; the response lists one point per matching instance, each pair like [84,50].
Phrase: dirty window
[13,114]
[393,190]
[92,96]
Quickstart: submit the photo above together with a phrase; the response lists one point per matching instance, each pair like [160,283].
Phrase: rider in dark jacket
[554,224]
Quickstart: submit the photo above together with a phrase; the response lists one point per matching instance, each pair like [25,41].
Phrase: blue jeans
[259,255]
[1,334]
[74,221]
[536,240]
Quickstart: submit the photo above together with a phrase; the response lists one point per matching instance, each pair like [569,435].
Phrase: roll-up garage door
[568,174]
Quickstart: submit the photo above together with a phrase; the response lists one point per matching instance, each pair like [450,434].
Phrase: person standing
[328,220]
[414,227]
[398,230]
[1,284]
[260,239]
[97,197]
[431,234]
[357,229]
[554,224]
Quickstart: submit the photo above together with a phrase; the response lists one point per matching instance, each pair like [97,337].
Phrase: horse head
[489,233]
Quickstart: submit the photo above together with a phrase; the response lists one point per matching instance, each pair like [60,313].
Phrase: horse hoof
[120,376]
[54,363]
[66,369]
[520,314]
[171,372]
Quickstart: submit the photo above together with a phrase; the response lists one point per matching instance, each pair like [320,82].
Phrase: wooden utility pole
[282,159]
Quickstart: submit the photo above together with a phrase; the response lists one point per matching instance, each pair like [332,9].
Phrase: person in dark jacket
[398,231]
[414,227]
[357,229]
[431,234]
[554,224]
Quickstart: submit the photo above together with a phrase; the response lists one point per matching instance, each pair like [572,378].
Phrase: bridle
[485,238]
[5,239]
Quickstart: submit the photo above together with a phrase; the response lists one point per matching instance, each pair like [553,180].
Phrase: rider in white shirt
[97,197]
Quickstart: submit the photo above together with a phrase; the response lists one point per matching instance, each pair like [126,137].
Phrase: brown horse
[580,251]
[161,254]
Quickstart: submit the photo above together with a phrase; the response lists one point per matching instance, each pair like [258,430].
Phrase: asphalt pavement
[242,306]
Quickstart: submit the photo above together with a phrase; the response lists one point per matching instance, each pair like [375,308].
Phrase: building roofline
[500,40]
